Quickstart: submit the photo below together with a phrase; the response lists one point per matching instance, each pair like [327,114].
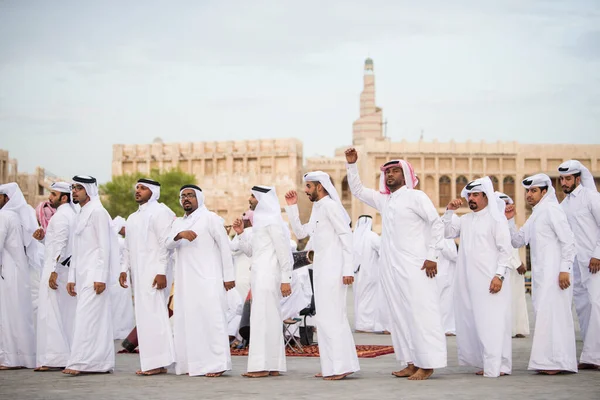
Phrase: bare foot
[43,368]
[480,373]
[519,336]
[386,333]
[319,375]
[274,373]
[155,371]
[406,372]
[258,374]
[71,372]
[337,377]
[587,366]
[450,334]
[3,368]
[214,374]
[421,375]
[549,372]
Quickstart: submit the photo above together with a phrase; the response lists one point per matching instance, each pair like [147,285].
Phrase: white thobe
[56,311]
[241,264]
[95,259]
[552,249]
[367,285]
[271,266]
[411,233]
[17,335]
[145,257]
[121,302]
[520,315]
[445,282]
[332,242]
[234,313]
[301,294]
[582,207]
[200,304]
[483,319]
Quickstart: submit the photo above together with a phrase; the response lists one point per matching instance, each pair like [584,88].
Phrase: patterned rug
[363,351]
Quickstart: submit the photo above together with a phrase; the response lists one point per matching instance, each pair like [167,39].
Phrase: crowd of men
[67,277]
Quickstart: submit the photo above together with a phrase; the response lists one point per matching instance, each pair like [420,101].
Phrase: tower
[370,122]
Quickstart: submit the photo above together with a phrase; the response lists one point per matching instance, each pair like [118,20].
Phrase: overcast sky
[78,76]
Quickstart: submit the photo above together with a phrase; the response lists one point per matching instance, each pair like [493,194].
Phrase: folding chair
[288,335]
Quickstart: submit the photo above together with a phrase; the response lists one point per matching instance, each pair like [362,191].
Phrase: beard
[472,205]
[568,189]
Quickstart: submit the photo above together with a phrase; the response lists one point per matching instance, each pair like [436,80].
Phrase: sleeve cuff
[501,270]
[432,255]
[566,267]
[596,253]
[286,277]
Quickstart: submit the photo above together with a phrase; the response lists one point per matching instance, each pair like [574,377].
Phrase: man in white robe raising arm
[146,256]
[56,310]
[271,273]
[411,237]
[203,273]
[329,229]
[582,206]
[552,247]
[482,296]
[94,262]
[17,336]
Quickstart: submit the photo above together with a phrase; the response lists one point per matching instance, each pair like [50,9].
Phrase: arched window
[509,187]
[445,191]
[494,182]
[461,182]
[346,195]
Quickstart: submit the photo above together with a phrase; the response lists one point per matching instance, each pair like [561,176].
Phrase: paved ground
[372,382]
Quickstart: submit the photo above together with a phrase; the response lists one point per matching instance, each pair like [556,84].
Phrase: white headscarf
[65,187]
[118,223]
[91,188]
[16,203]
[188,221]
[324,179]
[541,180]
[506,198]
[573,167]
[410,178]
[153,186]
[484,185]
[363,225]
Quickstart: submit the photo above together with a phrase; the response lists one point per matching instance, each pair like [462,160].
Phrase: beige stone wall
[8,168]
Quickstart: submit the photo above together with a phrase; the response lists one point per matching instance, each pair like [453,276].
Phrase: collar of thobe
[541,180]
[410,178]
[573,167]
[17,204]
[325,180]
[86,213]
[576,191]
[484,185]
[153,186]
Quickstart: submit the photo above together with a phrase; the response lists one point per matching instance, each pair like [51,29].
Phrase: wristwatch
[501,277]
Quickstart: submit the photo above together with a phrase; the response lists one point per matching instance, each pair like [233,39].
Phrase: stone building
[33,185]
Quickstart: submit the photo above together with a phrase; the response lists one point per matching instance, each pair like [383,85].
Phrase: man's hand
[160,282]
[351,155]
[454,204]
[594,265]
[71,289]
[291,198]
[99,287]
[348,280]
[123,280]
[564,280]
[238,226]
[495,285]
[509,211]
[189,235]
[229,285]
[39,234]
[52,281]
[286,289]
[430,268]
[522,269]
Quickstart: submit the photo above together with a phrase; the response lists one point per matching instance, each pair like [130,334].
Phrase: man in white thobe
[56,311]
[269,246]
[333,271]
[482,296]
[17,335]
[582,206]
[552,247]
[445,282]
[241,262]
[411,238]
[94,265]
[121,301]
[367,277]
[147,259]
[203,273]
[520,315]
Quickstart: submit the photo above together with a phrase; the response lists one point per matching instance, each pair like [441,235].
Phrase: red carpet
[363,351]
